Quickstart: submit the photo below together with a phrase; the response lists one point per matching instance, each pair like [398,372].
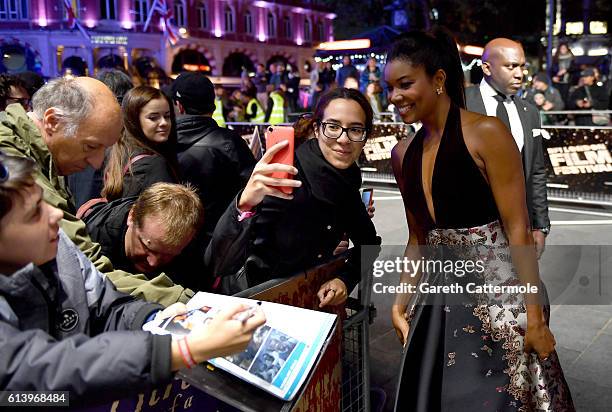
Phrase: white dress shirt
[488,94]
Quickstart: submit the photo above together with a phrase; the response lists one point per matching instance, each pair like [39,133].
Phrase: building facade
[219,37]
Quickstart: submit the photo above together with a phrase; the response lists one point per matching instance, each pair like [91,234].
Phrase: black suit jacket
[534,167]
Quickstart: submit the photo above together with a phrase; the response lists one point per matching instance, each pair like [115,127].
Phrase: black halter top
[461,196]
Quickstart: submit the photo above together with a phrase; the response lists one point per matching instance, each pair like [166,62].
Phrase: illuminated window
[141,11]
[307,30]
[202,16]
[13,9]
[229,19]
[179,13]
[574,28]
[271,25]
[108,10]
[320,31]
[248,23]
[287,27]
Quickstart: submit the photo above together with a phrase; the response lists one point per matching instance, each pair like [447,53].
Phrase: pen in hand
[247,314]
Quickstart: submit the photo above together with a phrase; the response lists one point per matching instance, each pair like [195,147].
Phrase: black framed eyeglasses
[334,131]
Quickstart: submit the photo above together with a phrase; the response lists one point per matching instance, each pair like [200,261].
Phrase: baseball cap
[195,91]
[587,72]
[541,77]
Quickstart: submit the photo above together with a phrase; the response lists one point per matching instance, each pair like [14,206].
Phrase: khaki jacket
[19,136]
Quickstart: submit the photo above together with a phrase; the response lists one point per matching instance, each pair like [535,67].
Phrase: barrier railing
[339,381]
[556,118]
[578,159]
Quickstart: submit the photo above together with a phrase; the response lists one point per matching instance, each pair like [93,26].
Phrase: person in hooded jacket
[64,326]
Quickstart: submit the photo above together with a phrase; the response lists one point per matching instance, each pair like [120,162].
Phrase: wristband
[245,215]
[186,353]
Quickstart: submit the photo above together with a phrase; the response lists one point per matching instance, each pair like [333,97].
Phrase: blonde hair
[177,206]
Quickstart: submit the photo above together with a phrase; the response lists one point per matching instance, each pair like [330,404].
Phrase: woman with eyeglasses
[290,233]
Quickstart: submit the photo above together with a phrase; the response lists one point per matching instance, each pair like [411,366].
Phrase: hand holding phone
[276,134]
[262,182]
[367,197]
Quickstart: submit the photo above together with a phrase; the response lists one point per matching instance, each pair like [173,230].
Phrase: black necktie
[501,113]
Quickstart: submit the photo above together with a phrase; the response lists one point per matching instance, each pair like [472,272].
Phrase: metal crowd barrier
[559,115]
[578,159]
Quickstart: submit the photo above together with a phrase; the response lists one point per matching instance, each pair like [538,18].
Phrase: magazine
[281,353]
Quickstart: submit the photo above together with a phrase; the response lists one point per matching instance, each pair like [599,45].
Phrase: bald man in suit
[503,62]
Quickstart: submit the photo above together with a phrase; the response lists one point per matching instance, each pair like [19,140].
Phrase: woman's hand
[332,293]
[371,210]
[261,184]
[224,334]
[399,318]
[539,339]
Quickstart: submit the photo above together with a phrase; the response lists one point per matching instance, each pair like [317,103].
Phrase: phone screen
[366,197]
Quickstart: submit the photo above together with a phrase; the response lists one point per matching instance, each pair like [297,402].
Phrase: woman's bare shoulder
[477,127]
[473,121]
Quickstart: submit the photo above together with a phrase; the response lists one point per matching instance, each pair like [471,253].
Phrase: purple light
[91,23]
[218,32]
[299,41]
[262,36]
[124,15]
[42,15]
[263,4]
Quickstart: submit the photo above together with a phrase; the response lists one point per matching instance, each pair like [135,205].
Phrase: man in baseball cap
[194,92]
[214,159]
[589,96]
[541,84]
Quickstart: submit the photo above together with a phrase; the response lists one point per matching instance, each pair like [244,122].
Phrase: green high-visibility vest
[218,113]
[260,117]
[278,110]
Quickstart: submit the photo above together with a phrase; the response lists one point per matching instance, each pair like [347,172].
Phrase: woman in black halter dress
[463,189]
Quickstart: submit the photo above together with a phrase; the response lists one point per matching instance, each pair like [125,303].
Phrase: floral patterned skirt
[469,356]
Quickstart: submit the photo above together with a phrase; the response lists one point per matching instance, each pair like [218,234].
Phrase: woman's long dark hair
[435,50]
[304,127]
[133,140]
[558,51]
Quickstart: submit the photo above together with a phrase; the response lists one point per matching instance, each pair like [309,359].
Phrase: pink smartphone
[276,134]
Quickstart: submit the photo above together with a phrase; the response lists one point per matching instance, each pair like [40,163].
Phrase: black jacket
[216,160]
[53,324]
[287,236]
[599,101]
[534,166]
[146,172]
[195,267]
[107,224]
